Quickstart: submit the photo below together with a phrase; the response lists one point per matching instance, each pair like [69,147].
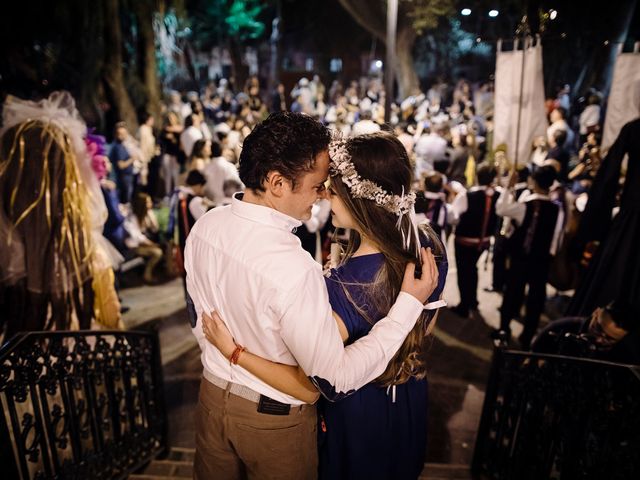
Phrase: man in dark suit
[538,227]
[476,210]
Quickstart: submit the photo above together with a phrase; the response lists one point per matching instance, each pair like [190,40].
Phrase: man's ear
[275,183]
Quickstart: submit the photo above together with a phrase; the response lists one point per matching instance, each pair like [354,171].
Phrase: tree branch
[365,14]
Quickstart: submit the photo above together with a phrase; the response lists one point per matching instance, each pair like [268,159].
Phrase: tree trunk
[371,17]
[91,96]
[408,83]
[240,70]
[147,52]
[113,73]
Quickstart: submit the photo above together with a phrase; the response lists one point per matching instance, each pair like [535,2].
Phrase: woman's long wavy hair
[381,158]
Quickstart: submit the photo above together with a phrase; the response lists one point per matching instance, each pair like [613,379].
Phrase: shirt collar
[434,195]
[262,214]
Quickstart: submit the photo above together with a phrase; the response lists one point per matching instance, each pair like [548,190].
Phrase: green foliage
[242,19]
[425,14]
[213,21]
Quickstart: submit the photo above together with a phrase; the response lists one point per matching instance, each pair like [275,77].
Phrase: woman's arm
[288,379]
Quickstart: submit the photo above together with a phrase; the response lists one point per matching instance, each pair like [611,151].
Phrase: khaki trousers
[234,441]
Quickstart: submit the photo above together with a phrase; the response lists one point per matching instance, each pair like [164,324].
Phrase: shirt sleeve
[557,233]
[461,203]
[507,206]
[452,215]
[197,207]
[311,334]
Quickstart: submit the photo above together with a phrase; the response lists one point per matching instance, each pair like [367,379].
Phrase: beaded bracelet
[236,354]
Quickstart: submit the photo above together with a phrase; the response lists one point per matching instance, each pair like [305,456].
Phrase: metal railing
[81,404]
[557,417]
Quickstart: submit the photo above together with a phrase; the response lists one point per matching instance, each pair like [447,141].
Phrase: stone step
[179,464]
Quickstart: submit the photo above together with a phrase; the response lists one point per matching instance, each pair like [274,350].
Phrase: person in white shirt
[191,134]
[429,148]
[361,290]
[218,171]
[432,207]
[365,124]
[558,122]
[243,261]
[590,117]
[147,141]
[538,228]
[140,224]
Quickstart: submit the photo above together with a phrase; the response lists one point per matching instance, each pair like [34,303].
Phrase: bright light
[493,13]
[466,12]
[553,14]
[378,64]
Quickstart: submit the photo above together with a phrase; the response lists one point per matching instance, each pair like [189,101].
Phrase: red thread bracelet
[236,354]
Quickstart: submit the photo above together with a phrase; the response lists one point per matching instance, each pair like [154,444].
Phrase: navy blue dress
[368,435]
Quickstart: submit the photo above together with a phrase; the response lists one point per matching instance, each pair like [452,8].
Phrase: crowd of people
[465,186]
[379,202]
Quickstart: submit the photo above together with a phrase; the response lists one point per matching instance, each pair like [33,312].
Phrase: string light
[493,13]
[466,12]
[553,14]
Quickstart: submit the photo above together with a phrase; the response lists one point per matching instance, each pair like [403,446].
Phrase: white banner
[533,120]
[624,98]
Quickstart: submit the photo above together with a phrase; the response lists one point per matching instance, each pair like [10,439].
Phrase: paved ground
[459,360]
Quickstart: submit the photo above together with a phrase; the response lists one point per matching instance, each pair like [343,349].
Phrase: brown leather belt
[473,242]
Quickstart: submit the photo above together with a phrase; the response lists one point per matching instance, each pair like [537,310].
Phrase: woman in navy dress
[380,430]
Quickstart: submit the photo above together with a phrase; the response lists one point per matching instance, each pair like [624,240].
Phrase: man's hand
[422,287]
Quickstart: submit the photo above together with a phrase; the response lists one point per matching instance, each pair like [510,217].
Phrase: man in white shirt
[217,172]
[429,148]
[147,142]
[243,261]
[191,134]
[538,228]
[590,116]
[558,122]
[365,125]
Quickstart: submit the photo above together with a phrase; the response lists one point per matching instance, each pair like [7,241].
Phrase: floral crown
[362,188]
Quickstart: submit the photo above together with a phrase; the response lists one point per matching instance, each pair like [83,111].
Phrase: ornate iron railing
[80,405]
[555,417]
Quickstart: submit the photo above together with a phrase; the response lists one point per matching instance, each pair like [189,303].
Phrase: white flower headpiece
[362,188]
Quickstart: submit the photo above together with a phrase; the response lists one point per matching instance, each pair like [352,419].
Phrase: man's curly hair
[285,142]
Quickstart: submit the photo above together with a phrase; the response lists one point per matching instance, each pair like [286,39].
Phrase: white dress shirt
[244,261]
[461,203]
[218,171]
[507,206]
[589,117]
[447,215]
[364,127]
[188,139]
